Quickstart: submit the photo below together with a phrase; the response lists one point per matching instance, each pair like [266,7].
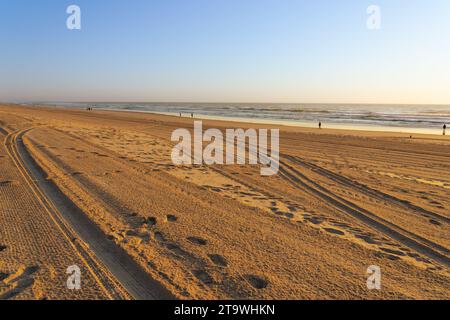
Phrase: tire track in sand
[116,272]
[410,240]
[426,247]
[367,190]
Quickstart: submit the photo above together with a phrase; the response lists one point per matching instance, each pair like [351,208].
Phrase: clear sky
[226,51]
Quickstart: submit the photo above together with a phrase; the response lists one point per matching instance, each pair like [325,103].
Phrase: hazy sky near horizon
[226,51]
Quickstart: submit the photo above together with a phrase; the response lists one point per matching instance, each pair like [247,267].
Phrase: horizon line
[234,102]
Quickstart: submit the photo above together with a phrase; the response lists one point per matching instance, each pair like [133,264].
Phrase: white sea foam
[408,118]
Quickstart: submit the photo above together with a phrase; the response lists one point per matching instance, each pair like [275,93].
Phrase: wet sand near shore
[343,200]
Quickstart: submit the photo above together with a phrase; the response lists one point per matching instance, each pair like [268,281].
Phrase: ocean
[406,118]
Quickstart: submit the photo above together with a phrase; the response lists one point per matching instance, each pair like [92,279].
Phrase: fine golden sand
[342,201]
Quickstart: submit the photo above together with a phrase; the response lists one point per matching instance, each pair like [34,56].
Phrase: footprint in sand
[158,236]
[340,224]
[436,223]
[18,282]
[171,218]
[175,248]
[197,241]
[278,212]
[288,215]
[256,281]
[394,252]
[218,260]
[314,220]
[367,238]
[151,221]
[203,276]
[140,233]
[8,183]
[334,231]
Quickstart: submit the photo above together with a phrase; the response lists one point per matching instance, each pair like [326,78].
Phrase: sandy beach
[85,187]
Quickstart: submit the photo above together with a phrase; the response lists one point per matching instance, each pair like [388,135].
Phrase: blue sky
[226,51]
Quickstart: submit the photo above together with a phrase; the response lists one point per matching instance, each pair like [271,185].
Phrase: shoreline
[279,122]
[292,125]
[301,124]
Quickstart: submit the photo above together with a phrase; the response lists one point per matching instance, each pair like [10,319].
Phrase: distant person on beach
[445,128]
[180,114]
[192,115]
[320,125]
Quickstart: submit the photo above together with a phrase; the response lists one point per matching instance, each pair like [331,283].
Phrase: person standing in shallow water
[444,128]
[320,125]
